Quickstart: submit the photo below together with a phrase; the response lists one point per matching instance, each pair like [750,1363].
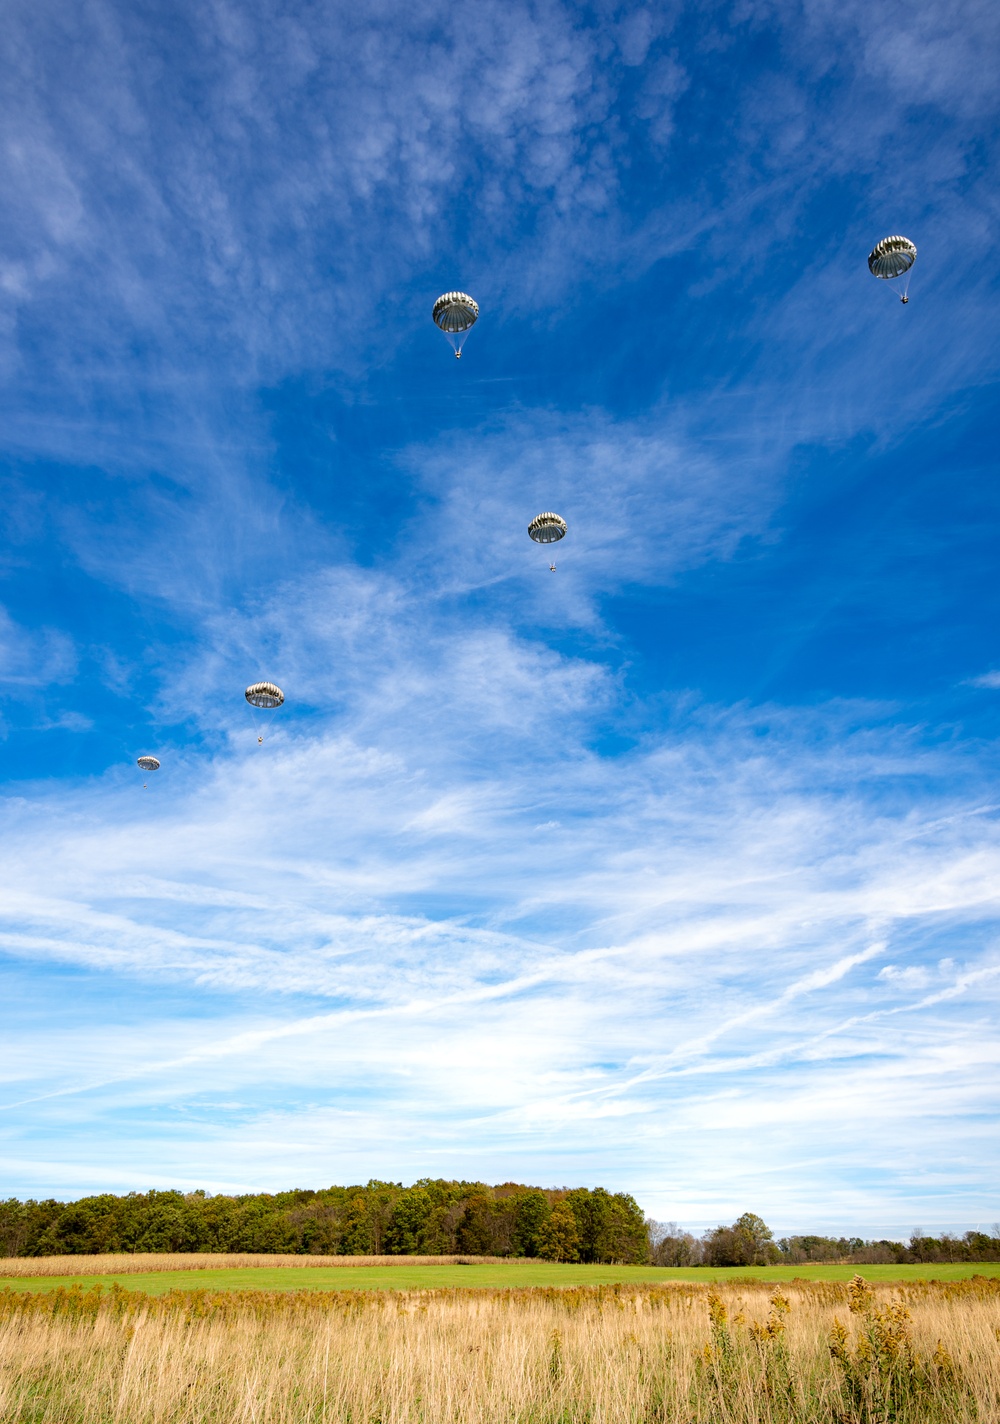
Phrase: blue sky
[677,871]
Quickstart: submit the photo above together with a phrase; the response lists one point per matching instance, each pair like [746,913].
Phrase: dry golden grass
[684,1354]
[122,1264]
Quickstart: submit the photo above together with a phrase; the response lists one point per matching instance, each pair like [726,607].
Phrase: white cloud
[913,976]
[433,924]
[34,657]
[310,133]
[433,903]
[263,218]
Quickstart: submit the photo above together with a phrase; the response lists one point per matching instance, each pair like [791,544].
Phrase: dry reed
[122,1264]
[684,1354]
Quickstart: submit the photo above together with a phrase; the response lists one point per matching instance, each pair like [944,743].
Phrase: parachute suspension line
[256,728]
[456,340]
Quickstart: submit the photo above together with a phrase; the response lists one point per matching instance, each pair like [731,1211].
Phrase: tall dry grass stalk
[603,1355]
[121,1264]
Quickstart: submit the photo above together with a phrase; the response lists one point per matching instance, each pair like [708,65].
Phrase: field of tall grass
[742,1353]
[141,1263]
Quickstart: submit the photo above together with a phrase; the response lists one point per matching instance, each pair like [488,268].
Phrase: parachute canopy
[455,312]
[547,528]
[892,257]
[147,763]
[264,694]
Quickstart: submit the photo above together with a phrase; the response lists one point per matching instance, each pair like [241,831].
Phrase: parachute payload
[266,697]
[456,313]
[891,258]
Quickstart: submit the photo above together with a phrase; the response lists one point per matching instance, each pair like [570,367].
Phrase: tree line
[750,1242]
[431,1218]
[435,1217]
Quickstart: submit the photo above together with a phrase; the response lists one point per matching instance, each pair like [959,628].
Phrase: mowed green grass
[515,1275]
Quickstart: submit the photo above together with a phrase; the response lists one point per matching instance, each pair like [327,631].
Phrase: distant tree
[439,1234]
[409,1216]
[485,1227]
[670,1246]
[926,1248]
[880,1253]
[748,1242]
[980,1247]
[796,1249]
[357,1228]
[611,1227]
[559,1236]
[532,1212]
[15,1226]
[380,1202]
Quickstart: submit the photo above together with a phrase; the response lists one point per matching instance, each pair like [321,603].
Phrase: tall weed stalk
[884,1378]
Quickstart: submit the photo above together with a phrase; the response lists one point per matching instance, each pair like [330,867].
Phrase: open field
[815,1353]
[147,1261]
[408,1273]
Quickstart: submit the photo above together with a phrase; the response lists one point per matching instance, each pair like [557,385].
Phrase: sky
[675,871]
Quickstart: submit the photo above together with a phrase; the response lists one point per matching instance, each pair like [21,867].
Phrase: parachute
[455,313]
[547,528]
[266,697]
[891,258]
[147,763]
[264,694]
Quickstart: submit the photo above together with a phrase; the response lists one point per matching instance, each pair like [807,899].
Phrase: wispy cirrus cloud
[626,946]
[495,898]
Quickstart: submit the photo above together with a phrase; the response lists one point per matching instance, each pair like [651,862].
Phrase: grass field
[505,1275]
[147,1261]
[823,1352]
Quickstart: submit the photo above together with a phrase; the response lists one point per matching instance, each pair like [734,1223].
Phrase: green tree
[438,1236]
[15,1227]
[670,1246]
[485,1227]
[748,1242]
[381,1198]
[611,1227]
[532,1211]
[559,1236]
[409,1217]
[357,1225]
